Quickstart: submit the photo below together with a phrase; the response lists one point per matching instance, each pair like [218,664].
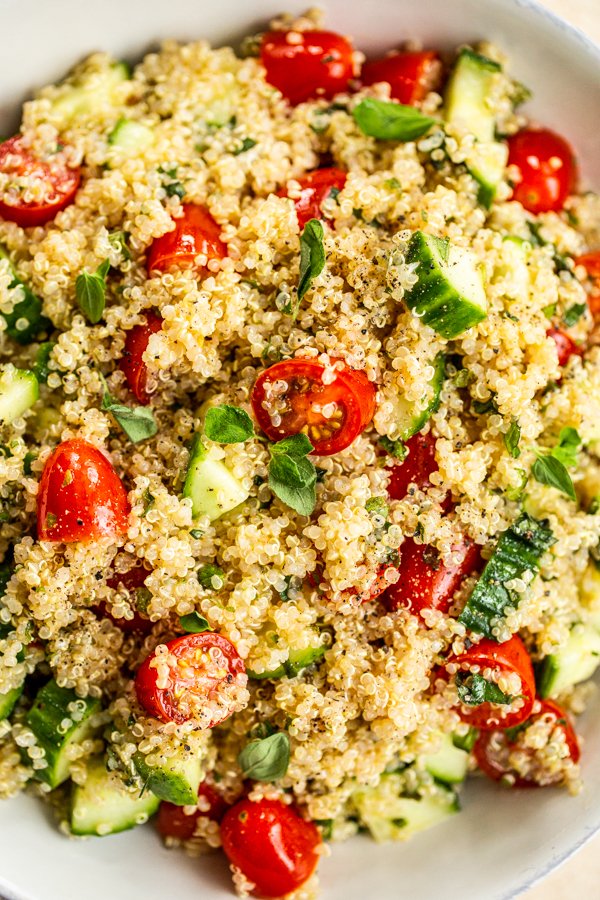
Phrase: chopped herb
[247,144]
[211,577]
[377,506]
[312,255]
[118,240]
[28,310]
[325,826]
[483,407]
[137,422]
[550,471]
[512,438]
[393,184]
[27,460]
[389,121]
[292,477]
[42,357]
[194,623]
[90,290]
[266,759]
[473,690]
[228,425]
[171,173]
[516,492]
[175,189]
[250,283]
[519,94]
[550,310]
[196,533]
[148,501]
[397,449]
[573,314]
[462,378]
[465,741]
[333,194]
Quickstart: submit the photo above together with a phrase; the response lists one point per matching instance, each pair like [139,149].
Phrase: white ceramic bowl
[502,841]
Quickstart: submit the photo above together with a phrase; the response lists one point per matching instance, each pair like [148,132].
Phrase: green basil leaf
[267,759]
[228,424]
[247,144]
[397,449]
[389,121]
[512,438]
[293,481]
[42,357]
[551,471]
[312,255]
[118,241]
[207,573]
[137,422]
[194,623]
[175,189]
[474,690]
[573,314]
[296,445]
[90,291]
[569,443]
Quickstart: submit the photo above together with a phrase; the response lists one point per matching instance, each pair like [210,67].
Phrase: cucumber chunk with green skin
[576,661]
[131,137]
[103,805]
[92,93]
[19,390]
[8,701]
[412,417]
[294,664]
[213,489]
[26,321]
[448,764]
[449,295]
[176,781]
[58,724]
[391,817]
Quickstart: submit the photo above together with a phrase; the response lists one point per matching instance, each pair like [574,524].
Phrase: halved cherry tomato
[202,675]
[132,363]
[511,656]
[425,581]
[195,233]
[565,345]
[172,821]
[306,64]
[491,746]
[591,263]
[131,581]
[34,190]
[410,75]
[547,169]
[315,188]
[416,468]
[271,844]
[81,497]
[293,396]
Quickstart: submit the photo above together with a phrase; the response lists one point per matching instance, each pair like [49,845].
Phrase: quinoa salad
[299,446]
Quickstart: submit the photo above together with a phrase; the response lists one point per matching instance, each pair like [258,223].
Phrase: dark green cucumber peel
[294,664]
[8,701]
[518,551]
[177,782]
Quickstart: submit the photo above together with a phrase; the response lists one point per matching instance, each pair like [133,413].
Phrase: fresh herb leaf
[228,424]
[482,407]
[389,121]
[297,446]
[550,310]
[573,314]
[397,449]
[247,144]
[118,241]
[549,470]
[267,759]
[27,461]
[194,623]
[42,357]
[90,290]
[473,690]
[312,255]
[462,378]
[392,184]
[293,477]
[465,741]
[569,443]
[137,422]
[208,574]
[377,506]
[175,189]
[512,438]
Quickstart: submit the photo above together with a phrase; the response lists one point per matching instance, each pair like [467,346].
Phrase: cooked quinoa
[375,703]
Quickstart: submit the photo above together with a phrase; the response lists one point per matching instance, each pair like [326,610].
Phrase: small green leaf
[377,506]
[397,449]
[90,291]
[473,690]
[293,481]
[267,759]
[392,184]
[228,425]
[389,121]
[512,438]
[550,471]
[208,574]
[137,422]
[247,144]
[42,357]
[569,443]
[573,314]
[297,445]
[550,310]
[118,241]
[175,189]
[312,255]
[483,407]
[194,623]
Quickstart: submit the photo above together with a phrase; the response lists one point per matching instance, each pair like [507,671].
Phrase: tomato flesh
[547,169]
[315,188]
[32,190]
[81,497]
[203,676]
[509,657]
[271,844]
[416,468]
[196,233]
[131,581]
[591,263]
[132,363]
[291,397]
[410,75]
[426,582]
[306,64]
[565,345]
[172,821]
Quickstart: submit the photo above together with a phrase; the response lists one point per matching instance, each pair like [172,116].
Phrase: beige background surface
[579,878]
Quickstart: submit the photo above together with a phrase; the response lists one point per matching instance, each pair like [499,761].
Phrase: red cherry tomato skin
[132,363]
[81,497]
[131,581]
[591,263]
[351,392]
[196,232]
[62,182]
[307,64]
[547,169]
[493,767]
[426,582]
[416,468]
[410,75]
[173,822]
[163,702]
[273,846]
[315,188]
[511,656]
[565,345]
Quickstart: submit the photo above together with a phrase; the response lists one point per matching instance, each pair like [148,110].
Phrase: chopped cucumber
[90,93]
[448,295]
[177,781]
[103,805]
[130,137]
[19,390]
[8,701]
[576,661]
[487,164]
[391,817]
[411,417]
[589,594]
[294,664]
[449,764]
[26,321]
[213,489]
[59,719]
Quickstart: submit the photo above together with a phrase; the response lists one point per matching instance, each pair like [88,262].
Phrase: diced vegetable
[390,816]
[294,664]
[176,781]
[19,390]
[103,805]
[90,94]
[26,321]
[576,661]
[8,701]
[448,764]
[412,416]
[130,136]
[213,489]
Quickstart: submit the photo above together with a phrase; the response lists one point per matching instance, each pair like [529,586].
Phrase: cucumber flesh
[449,295]
[487,164]
[212,488]
[19,390]
[103,805]
[8,701]
[294,664]
[91,94]
[449,764]
[412,417]
[49,719]
[392,817]
[176,781]
[576,661]
[130,137]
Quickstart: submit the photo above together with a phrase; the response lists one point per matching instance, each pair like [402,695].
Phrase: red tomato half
[292,397]
[425,581]
[511,656]
[547,169]
[273,846]
[36,189]
[131,581]
[565,345]
[306,64]
[195,233]
[132,363]
[492,746]
[591,262]
[410,75]
[202,671]
[172,821]
[416,468]
[81,497]
[315,188]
